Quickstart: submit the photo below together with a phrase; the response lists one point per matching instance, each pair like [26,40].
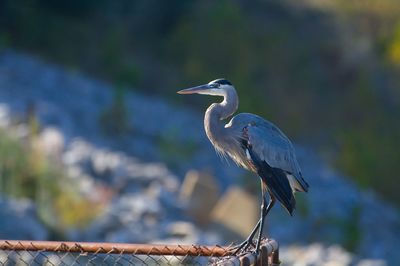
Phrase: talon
[256,253]
[242,247]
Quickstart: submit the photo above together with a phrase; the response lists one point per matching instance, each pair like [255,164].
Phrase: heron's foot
[242,247]
[256,252]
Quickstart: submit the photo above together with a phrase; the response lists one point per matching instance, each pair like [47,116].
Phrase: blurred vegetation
[174,151]
[26,172]
[349,233]
[352,230]
[326,71]
[14,163]
[114,119]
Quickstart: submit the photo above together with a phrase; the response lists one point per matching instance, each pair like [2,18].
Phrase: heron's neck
[219,111]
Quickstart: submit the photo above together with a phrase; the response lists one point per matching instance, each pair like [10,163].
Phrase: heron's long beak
[198,89]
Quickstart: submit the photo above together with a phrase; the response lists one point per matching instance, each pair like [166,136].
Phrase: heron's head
[218,87]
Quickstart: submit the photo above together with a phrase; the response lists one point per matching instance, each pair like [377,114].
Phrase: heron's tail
[297,184]
[279,186]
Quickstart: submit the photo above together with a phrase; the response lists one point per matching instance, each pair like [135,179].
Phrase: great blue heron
[256,145]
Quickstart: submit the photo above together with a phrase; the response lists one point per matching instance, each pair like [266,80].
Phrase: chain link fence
[14,252]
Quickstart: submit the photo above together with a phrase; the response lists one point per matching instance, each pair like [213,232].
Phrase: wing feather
[271,145]
[276,181]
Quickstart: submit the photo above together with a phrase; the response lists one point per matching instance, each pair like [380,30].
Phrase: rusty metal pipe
[269,248]
[115,248]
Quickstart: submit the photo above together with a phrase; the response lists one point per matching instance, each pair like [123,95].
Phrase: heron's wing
[271,145]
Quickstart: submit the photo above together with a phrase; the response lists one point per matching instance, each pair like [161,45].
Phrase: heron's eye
[214,85]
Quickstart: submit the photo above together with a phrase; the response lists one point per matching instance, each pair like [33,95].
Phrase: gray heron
[256,145]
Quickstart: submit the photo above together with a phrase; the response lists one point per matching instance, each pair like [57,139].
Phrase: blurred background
[95,144]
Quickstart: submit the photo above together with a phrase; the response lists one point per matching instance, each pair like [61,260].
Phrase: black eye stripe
[222,82]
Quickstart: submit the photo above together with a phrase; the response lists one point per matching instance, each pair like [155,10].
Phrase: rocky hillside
[129,152]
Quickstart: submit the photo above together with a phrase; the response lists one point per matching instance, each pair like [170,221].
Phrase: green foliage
[352,231]
[26,173]
[349,234]
[18,172]
[367,151]
[4,40]
[369,156]
[393,46]
[74,210]
[302,205]
[122,69]
[172,150]
[114,120]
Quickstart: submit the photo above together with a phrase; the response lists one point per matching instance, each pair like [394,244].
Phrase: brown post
[275,258]
[263,256]
[248,259]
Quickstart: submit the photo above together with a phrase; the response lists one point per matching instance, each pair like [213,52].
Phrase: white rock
[315,255]
[52,142]
[5,118]
[371,262]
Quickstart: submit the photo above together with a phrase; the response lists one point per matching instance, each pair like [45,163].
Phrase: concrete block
[200,193]
[237,210]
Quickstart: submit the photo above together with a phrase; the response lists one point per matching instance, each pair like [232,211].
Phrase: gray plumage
[254,144]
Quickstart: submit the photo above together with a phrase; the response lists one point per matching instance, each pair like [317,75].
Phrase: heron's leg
[245,244]
[252,234]
[264,213]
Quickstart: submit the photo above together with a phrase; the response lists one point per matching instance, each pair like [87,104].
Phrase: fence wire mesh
[14,252]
